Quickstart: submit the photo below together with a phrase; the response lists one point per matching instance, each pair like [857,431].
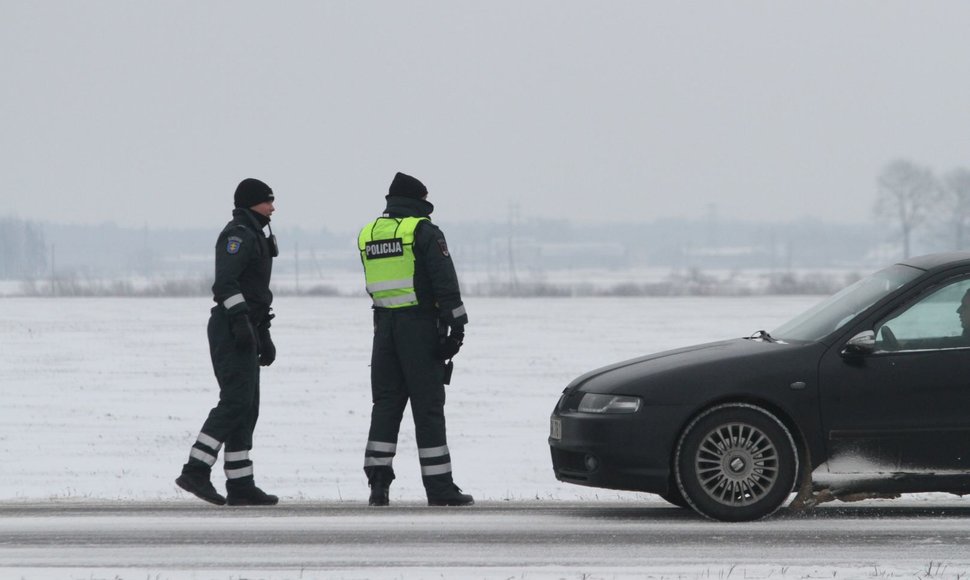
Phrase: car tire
[736,462]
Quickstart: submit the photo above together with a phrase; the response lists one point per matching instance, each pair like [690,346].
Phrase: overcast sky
[149,112]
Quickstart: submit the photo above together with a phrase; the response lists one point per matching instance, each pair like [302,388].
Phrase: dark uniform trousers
[233,419]
[404,367]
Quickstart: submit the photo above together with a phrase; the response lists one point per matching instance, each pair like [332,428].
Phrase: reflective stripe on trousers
[379,454]
[434,460]
[205,449]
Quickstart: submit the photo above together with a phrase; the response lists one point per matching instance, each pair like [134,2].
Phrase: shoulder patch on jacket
[233,244]
[443,245]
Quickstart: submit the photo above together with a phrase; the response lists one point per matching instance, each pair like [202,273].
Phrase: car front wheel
[736,462]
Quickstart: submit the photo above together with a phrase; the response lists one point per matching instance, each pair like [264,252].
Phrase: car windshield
[830,314]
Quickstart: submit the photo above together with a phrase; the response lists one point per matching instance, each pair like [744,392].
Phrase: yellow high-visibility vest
[387,251]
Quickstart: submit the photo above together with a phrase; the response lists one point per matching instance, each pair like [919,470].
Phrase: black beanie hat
[407,186]
[252,192]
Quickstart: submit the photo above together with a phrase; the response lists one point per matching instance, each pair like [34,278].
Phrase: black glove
[448,346]
[267,350]
[242,332]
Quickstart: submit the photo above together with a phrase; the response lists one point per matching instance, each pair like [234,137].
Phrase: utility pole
[53,277]
[513,216]
[712,238]
[297,268]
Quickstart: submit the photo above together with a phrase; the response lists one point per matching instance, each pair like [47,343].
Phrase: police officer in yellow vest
[419,325]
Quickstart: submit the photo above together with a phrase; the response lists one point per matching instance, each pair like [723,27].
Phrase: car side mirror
[860,345]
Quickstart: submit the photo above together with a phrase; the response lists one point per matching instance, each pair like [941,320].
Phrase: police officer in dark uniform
[419,325]
[239,343]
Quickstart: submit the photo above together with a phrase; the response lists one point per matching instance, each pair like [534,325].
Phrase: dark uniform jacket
[435,279]
[244,263]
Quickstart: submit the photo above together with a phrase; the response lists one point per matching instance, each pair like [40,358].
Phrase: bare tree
[955,205]
[906,193]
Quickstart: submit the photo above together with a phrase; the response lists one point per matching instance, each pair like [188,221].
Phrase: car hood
[733,360]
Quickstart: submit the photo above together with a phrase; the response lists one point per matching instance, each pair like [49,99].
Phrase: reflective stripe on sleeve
[395,300]
[239,473]
[210,442]
[436,469]
[202,456]
[458,312]
[382,447]
[375,461]
[236,456]
[433,451]
[233,300]
[390,285]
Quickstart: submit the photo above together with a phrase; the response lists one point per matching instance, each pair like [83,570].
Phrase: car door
[906,406]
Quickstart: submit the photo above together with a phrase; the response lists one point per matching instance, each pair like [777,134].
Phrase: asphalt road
[524,536]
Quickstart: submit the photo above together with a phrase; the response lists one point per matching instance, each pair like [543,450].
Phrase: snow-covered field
[101,398]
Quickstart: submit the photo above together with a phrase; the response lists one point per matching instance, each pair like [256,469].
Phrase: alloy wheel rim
[736,464]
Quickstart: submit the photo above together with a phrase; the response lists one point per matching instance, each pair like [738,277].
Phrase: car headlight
[594,403]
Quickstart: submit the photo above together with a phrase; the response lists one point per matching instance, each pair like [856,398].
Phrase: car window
[835,311]
[932,322]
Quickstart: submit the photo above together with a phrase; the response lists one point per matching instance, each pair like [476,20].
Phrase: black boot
[250,495]
[199,485]
[380,491]
[450,496]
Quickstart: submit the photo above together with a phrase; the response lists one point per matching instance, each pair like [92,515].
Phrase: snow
[101,399]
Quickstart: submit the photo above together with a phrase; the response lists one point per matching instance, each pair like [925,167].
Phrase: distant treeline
[508,250]
[916,212]
[520,250]
[692,283]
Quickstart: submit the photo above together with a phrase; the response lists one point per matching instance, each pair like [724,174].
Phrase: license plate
[555,428]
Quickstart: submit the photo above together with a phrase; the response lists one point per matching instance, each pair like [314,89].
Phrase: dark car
[867,394]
